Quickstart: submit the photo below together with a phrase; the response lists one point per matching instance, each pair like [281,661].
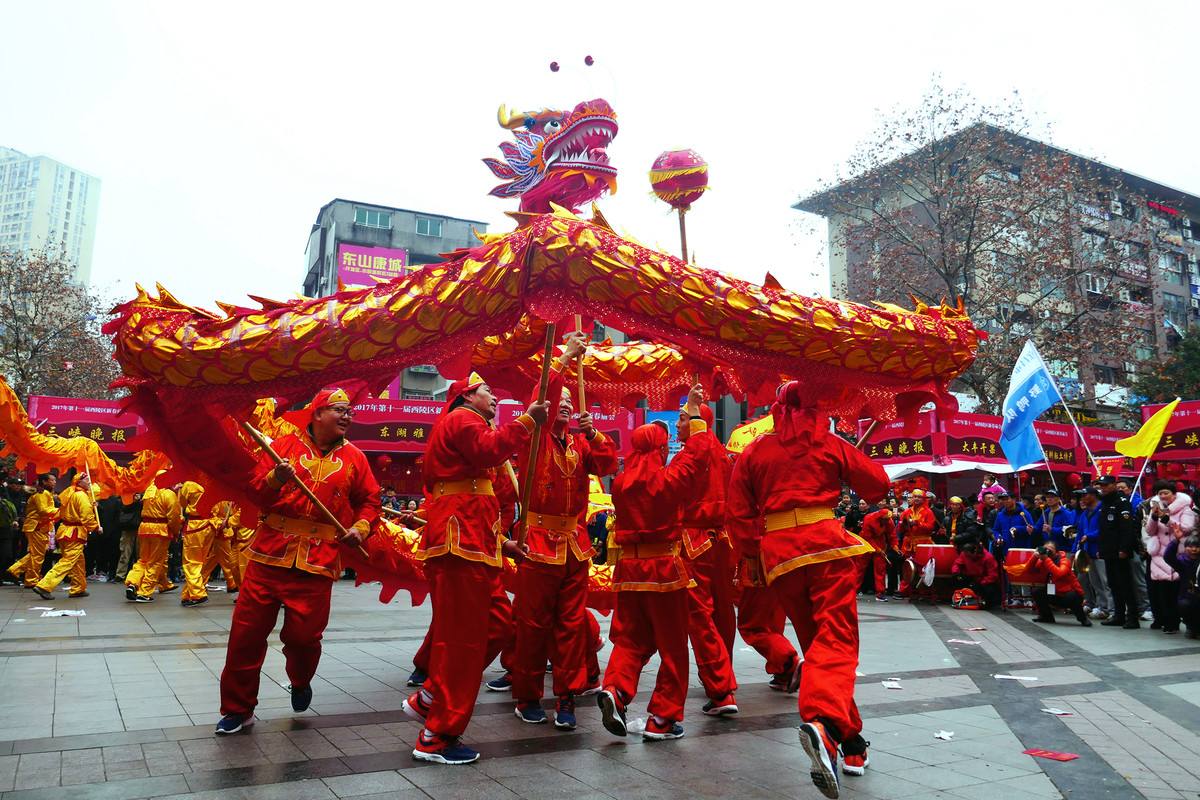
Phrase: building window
[1105,374]
[1171,265]
[372,219]
[429,227]
[1175,308]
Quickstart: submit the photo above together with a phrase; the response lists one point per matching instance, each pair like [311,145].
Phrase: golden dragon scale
[188,368]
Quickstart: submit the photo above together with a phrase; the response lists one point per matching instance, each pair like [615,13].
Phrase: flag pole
[1137,486]
[1045,460]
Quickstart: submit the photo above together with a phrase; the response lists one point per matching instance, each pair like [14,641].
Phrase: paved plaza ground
[121,703]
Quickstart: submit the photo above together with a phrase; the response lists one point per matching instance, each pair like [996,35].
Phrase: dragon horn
[510,121]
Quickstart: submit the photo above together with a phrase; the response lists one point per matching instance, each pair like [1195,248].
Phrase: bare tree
[954,201]
[50,340]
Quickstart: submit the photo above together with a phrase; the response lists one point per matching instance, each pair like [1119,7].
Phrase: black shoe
[130,593]
[142,598]
[1156,625]
[199,601]
[1132,625]
[1085,622]
[42,593]
[612,712]
[80,594]
[417,678]
[1113,622]
[501,684]
[301,698]
[1047,620]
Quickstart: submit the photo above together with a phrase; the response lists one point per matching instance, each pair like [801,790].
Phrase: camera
[1043,551]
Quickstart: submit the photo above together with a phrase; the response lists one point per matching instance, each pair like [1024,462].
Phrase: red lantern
[679,177]
[1074,480]
[383,462]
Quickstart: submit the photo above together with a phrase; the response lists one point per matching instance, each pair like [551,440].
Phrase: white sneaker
[1148,616]
[1097,614]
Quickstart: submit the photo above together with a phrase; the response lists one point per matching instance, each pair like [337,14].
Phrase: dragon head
[558,157]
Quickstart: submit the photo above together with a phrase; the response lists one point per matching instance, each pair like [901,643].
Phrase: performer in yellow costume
[40,513]
[198,532]
[161,520]
[226,521]
[78,515]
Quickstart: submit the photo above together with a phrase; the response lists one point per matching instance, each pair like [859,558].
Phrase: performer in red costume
[293,557]
[761,621]
[703,538]
[781,496]
[651,579]
[880,532]
[550,602]
[917,523]
[463,542]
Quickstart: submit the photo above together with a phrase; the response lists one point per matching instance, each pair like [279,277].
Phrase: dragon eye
[553,126]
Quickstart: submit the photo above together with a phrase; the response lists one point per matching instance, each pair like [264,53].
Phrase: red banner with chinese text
[99,420]
[1181,439]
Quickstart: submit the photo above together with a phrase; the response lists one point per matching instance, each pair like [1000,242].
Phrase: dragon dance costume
[461,545]
[40,514]
[160,522]
[783,488]
[78,514]
[550,601]
[294,560]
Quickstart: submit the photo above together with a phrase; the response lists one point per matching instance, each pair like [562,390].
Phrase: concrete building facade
[1164,276]
[416,237]
[45,204]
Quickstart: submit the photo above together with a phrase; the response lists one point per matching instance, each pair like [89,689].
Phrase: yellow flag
[747,432]
[1143,443]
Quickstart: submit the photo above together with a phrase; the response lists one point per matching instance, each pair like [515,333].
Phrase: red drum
[943,556]
[1015,558]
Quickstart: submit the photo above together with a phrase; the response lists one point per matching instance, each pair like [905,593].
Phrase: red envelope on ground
[1051,754]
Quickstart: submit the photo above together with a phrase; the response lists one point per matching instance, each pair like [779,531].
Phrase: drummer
[1014,528]
[1056,517]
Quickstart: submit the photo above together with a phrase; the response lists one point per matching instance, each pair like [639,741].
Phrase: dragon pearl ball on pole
[678,178]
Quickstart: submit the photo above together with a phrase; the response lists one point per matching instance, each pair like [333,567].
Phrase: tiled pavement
[121,703]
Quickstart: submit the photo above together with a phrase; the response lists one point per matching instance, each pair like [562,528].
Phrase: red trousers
[712,658]
[500,634]
[820,600]
[305,601]
[549,610]
[467,632]
[594,645]
[878,562]
[645,623]
[760,622]
[722,593]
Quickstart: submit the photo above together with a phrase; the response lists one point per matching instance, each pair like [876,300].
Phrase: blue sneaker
[417,678]
[533,713]
[234,723]
[301,698]
[564,714]
[501,684]
[659,731]
[443,750]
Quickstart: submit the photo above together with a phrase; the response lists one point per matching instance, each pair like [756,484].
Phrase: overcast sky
[219,129]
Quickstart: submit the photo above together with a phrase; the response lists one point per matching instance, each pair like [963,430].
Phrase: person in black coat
[960,525]
[1119,539]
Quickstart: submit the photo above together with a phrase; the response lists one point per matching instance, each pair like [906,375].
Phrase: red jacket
[1043,570]
[879,531]
[916,527]
[560,488]
[704,514]
[980,569]
[769,480]
[341,479]
[464,451]
[648,514]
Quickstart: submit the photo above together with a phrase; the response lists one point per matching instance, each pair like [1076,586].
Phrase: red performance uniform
[779,505]
[650,577]
[461,544]
[980,568]
[293,562]
[916,527]
[550,601]
[706,548]
[880,532]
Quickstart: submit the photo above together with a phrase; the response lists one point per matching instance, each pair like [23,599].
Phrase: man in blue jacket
[1056,516]
[1014,526]
[1094,580]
